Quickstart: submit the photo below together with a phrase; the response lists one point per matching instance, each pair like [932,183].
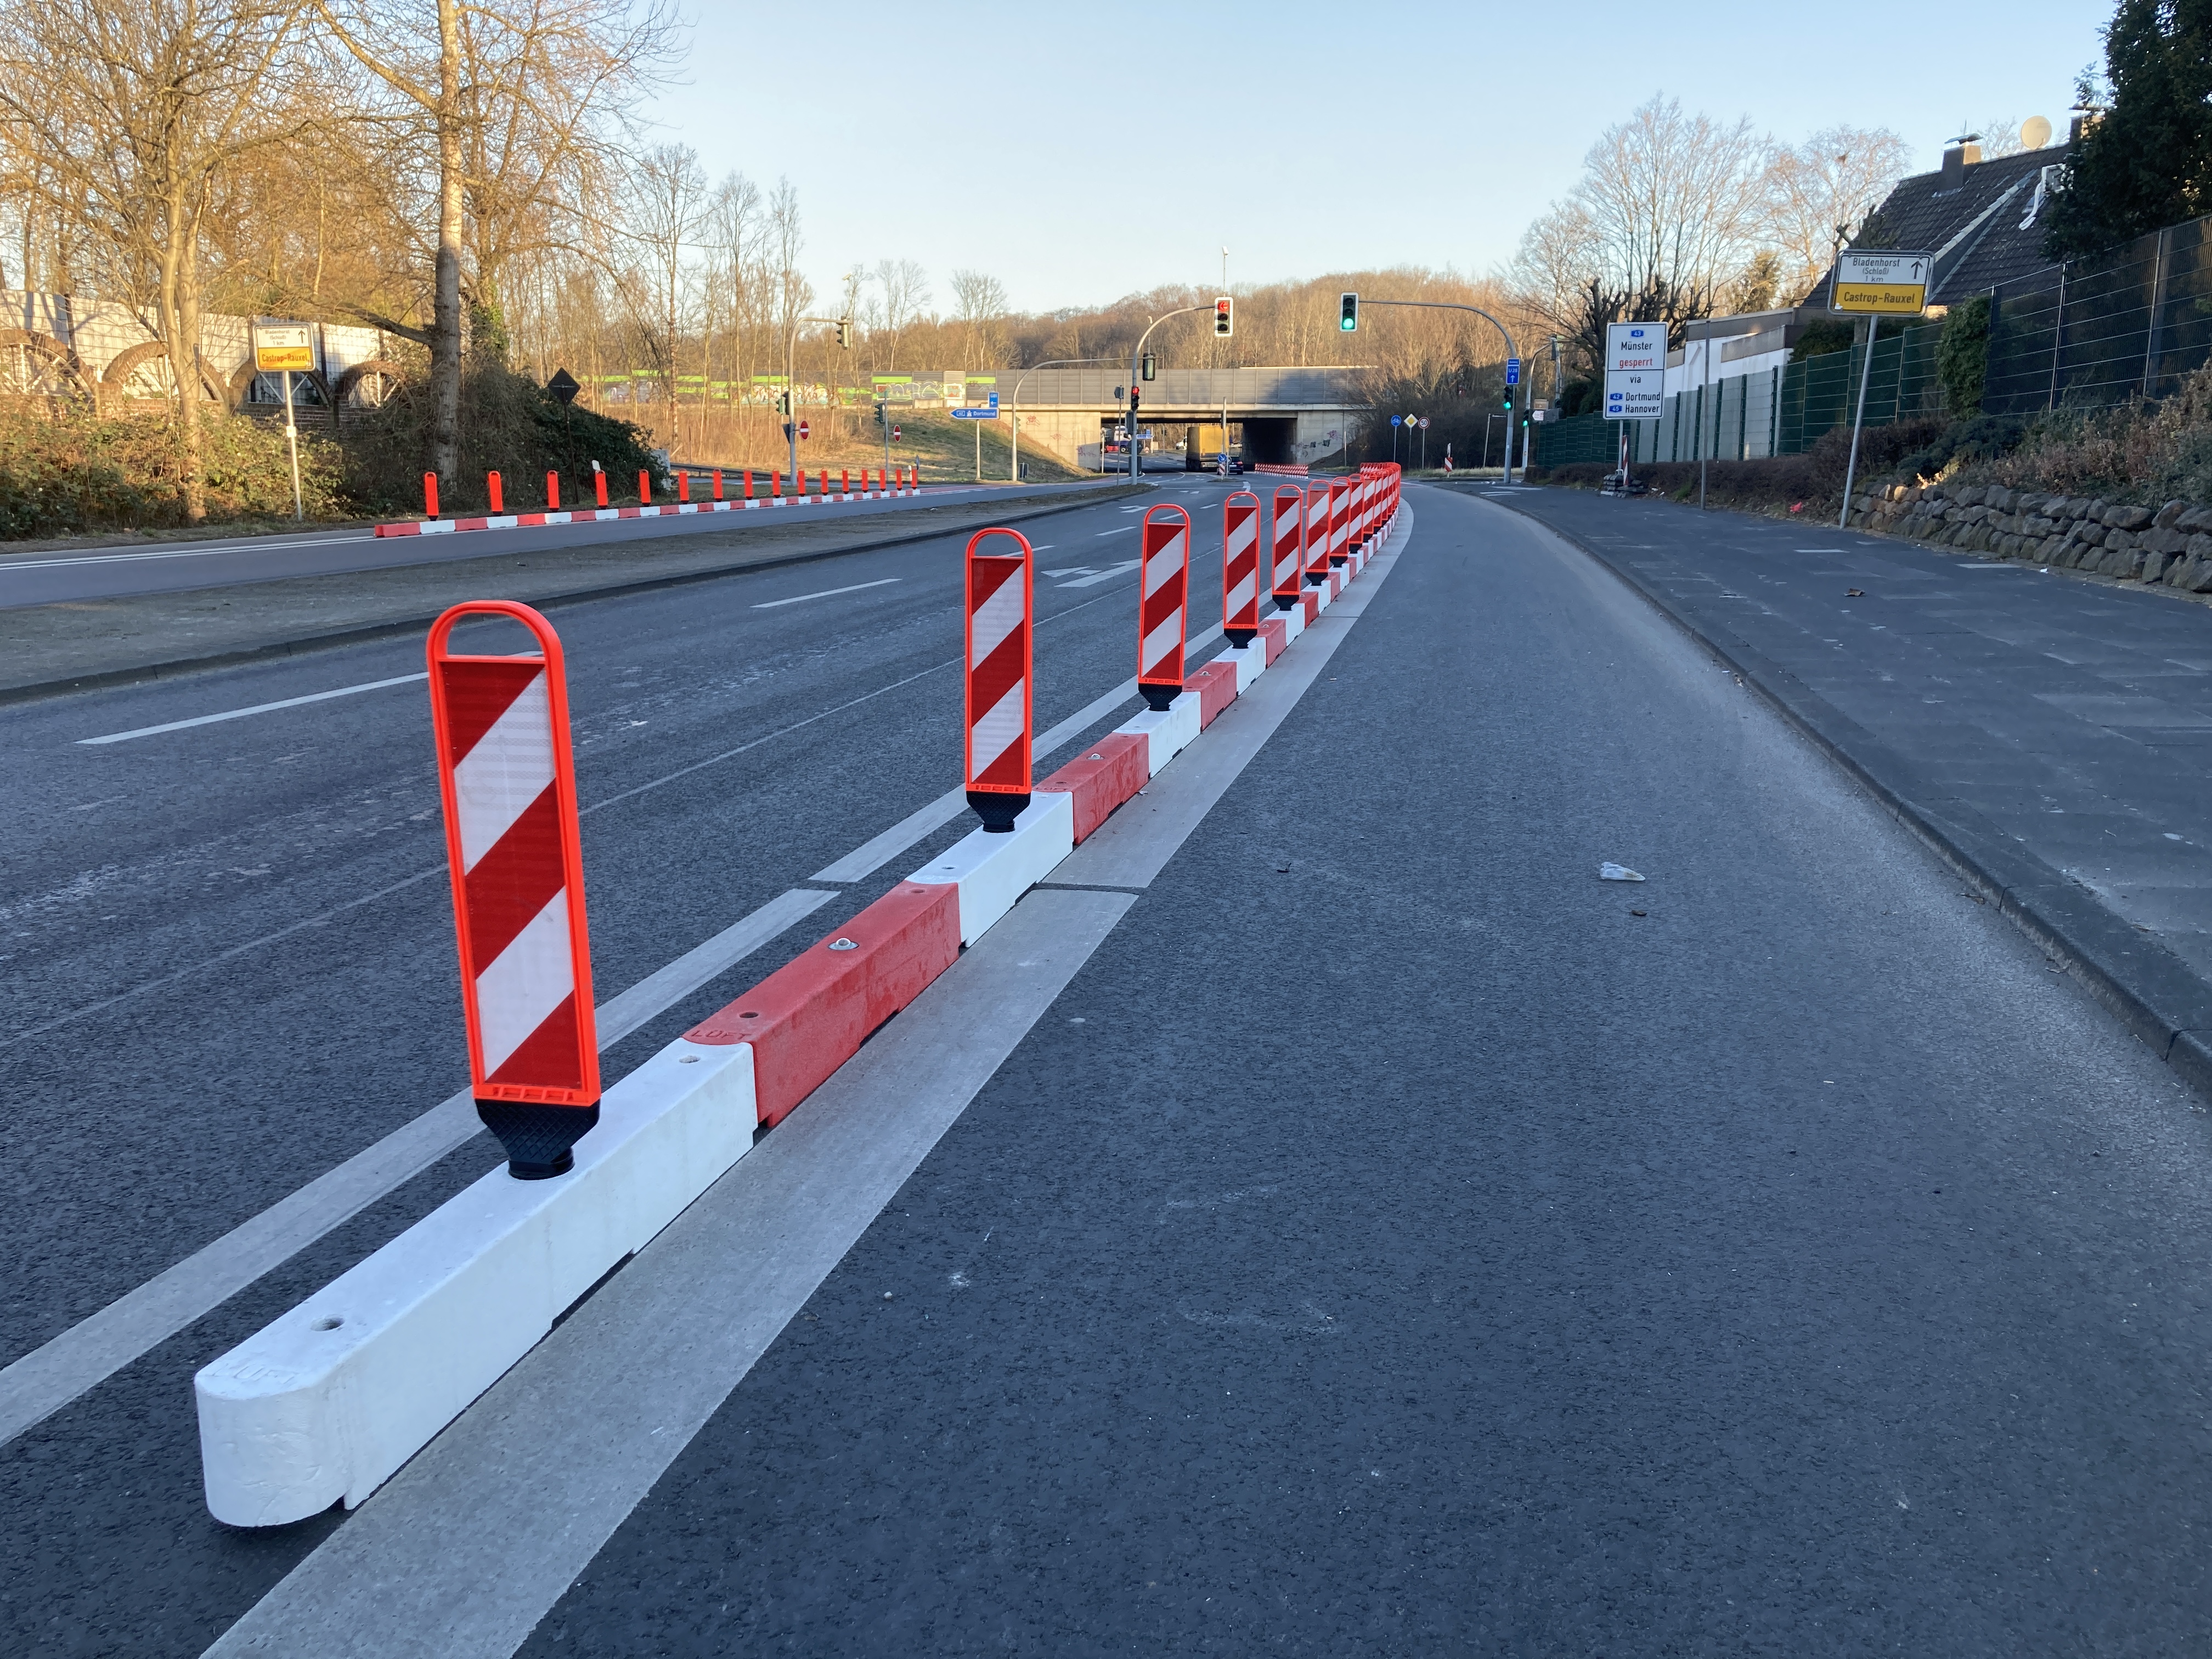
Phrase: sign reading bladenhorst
[281,346]
[1883,284]
[1635,371]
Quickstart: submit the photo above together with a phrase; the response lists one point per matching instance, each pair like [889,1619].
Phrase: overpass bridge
[1287,416]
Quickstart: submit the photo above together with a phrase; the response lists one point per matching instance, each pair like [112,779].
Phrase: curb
[328,1401]
[2162,1004]
[107,679]
[604,514]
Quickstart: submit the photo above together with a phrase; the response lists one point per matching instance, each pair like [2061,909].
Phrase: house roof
[1973,226]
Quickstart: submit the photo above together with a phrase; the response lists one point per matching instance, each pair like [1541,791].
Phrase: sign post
[1634,378]
[1874,285]
[282,348]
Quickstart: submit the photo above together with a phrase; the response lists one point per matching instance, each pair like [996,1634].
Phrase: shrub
[1962,356]
[509,425]
[63,469]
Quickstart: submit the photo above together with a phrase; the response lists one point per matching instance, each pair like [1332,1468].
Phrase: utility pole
[1136,371]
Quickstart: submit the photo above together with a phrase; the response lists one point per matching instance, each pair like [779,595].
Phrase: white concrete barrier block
[992,872]
[1324,597]
[1294,623]
[1250,662]
[328,1402]
[1167,731]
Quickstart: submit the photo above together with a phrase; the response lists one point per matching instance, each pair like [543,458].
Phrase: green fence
[1776,412]
[2131,321]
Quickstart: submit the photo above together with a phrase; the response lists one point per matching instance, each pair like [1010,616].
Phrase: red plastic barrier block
[812,1014]
[1100,778]
[1336,581]
[1215,685]
[1312,597]
[1277,636]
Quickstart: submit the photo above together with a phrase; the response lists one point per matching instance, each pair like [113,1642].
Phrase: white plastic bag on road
[1617,872]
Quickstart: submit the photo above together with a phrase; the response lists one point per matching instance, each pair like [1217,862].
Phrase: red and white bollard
[1340,519]
[552,492]
[429,495]
[599,482]
[1283,575]
[494,494]
[999,686]
[683,485]
[1240,567]
[1317,534]
[644,487]
[509,785]
[1162,606]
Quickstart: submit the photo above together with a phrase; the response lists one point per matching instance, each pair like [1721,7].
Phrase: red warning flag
[1001,597]
[1240,567]
[509,785]
[1318,500]
[1165,586]
[1284,584]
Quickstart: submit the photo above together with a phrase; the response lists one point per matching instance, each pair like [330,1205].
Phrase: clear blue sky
[984,133]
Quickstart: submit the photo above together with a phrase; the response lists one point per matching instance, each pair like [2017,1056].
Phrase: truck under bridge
[1287,417]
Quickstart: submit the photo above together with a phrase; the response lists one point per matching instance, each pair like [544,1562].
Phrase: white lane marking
[826,593]
[257,708]
[1107,574]
[175,553]
[1068,570]
[93,1349]
[1115,530]
[482,1534]
[599,1409]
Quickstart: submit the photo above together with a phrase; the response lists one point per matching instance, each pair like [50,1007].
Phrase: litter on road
[1616,872]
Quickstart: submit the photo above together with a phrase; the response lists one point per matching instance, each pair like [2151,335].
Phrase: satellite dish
[2034,132]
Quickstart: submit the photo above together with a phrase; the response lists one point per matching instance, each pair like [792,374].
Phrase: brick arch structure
[52,352]
[129,361]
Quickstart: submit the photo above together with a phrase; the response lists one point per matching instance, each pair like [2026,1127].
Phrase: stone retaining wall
[2171,545]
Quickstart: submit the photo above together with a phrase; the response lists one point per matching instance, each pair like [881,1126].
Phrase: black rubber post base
[1158,696]
[537,1139]
[1317,578]
[998,812]
[1336,561]
[1238,638]
[1285,601]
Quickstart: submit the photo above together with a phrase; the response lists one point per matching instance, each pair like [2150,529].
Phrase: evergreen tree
[2148,162]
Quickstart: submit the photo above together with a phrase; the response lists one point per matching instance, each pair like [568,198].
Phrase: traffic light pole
[1512,352]
[1136,375]
[791,380]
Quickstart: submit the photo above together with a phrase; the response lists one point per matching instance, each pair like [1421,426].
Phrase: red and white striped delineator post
[1284,584]
[1340,519]
[509,785]
[1318,500]
[1240,567]
[1161,607]
[1001,685]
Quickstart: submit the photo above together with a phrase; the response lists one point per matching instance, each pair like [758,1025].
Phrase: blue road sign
[1513,371]
[988,413]
[1396,419]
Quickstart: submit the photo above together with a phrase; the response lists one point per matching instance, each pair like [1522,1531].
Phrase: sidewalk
[2051,736]
[91,642]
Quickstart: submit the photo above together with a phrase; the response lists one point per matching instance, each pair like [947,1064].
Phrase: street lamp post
[1136,373]
[1014,459]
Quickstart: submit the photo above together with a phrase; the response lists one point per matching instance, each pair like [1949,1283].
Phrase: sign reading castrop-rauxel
[1882,283]
[1635,371]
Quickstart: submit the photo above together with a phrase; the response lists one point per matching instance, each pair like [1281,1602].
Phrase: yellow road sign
[281,346]
[1883,284]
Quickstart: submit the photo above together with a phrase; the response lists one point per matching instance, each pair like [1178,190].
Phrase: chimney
[1954,168]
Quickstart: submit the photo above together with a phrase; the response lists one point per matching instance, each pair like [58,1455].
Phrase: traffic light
[1151,366]
[1224,319]
[783,405]
[1348,318]
[845,335]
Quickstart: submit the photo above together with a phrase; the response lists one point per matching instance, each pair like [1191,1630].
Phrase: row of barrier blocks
[327,1403]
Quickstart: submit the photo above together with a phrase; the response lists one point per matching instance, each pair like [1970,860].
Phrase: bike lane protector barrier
[508,783]
[1240,567]
[991,871]
[997,681]
[1161,604]
[1100,779]
[1215,688]
[1284,578]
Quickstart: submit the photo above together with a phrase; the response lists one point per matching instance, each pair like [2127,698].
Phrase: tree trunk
[443,454]
[180,333]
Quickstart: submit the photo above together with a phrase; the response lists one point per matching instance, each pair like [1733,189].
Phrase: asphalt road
[94,572]
[1389,1241]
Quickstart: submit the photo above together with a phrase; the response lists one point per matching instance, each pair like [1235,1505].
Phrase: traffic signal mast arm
[1014,409]
[1512,355]
[1137,369]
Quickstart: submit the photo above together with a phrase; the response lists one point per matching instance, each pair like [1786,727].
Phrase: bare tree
[904,285]
[668,195]
[791,293]
[137,110]
[979,301]
[1817,193]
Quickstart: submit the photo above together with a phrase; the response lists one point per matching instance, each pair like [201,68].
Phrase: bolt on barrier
[1240,567]
[1160,609]
[999,683]
[507,782]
